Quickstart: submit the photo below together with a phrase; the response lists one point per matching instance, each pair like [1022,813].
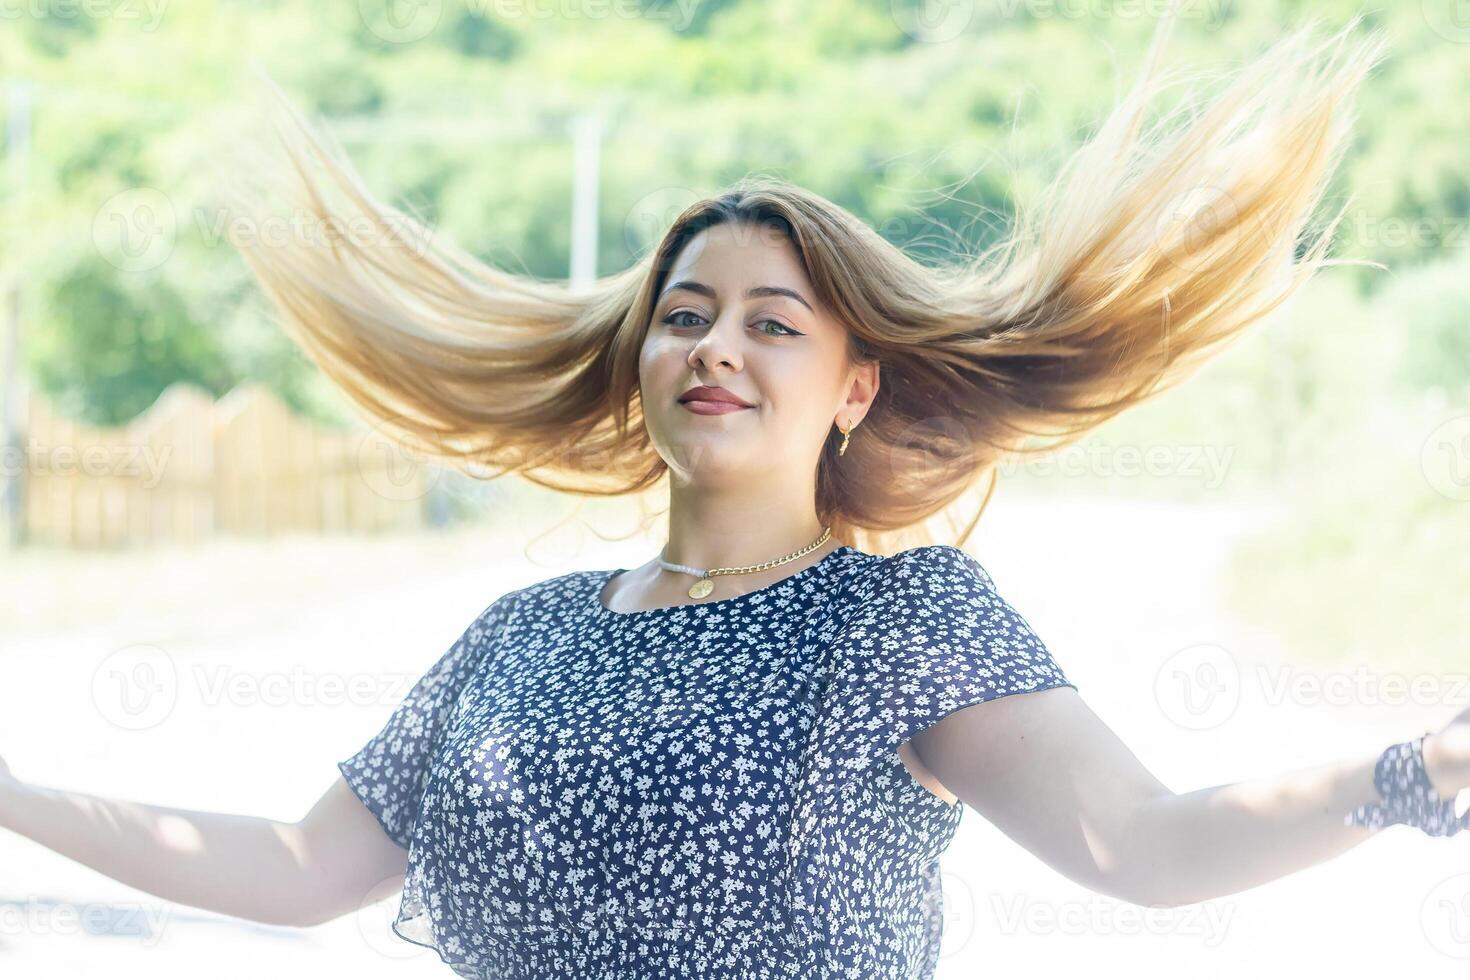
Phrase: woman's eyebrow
[699,287]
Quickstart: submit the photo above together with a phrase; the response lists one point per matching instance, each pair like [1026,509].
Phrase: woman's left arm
[1047,772]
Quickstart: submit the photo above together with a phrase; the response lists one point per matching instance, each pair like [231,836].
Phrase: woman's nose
[720,344]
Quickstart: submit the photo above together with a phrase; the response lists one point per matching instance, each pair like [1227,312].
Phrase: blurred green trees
[929,129]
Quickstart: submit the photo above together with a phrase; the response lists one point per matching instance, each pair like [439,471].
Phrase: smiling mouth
[703,406]
[686,399]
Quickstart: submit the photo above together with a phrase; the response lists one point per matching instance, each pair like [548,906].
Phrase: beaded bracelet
[1407,795]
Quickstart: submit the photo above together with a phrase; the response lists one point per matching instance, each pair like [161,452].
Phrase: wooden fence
[191,467]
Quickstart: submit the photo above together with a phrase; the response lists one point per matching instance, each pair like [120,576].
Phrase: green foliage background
[931,134]
[929,140]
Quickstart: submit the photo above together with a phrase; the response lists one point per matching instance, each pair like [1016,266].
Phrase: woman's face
[738,313]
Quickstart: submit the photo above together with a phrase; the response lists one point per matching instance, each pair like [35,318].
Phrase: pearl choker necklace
[705,585]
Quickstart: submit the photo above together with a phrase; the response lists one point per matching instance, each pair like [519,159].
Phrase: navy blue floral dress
[708,790]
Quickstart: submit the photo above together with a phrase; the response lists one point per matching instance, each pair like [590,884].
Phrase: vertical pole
[587,139]
[13,399]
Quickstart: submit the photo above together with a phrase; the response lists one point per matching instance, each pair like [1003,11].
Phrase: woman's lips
[699,407]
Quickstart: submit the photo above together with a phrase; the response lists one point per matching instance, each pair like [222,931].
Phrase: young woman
[745,757]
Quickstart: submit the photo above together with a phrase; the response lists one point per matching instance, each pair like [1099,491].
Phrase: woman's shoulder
[911,586]
[566,584]
[926,570]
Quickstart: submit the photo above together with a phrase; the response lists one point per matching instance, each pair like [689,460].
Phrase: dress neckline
[600,580]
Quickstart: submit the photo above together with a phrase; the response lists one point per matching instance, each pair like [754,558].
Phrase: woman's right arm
[330,862]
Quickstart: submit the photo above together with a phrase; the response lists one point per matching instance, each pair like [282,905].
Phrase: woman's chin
[706,463]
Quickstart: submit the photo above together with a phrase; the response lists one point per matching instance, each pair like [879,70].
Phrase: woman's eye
[673,317]
[789,331]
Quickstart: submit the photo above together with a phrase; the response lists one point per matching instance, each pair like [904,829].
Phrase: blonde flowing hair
[1149,250]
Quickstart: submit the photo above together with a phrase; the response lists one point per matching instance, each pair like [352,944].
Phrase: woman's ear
[862,390]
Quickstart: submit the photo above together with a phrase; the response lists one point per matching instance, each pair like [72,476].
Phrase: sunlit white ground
[1117,590]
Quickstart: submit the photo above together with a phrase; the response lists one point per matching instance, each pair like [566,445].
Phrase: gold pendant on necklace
[701,588]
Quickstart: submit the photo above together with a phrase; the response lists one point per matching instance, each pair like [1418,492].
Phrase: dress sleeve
[931,637]
[390,772]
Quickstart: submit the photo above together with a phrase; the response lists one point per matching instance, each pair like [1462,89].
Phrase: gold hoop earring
[843,448]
